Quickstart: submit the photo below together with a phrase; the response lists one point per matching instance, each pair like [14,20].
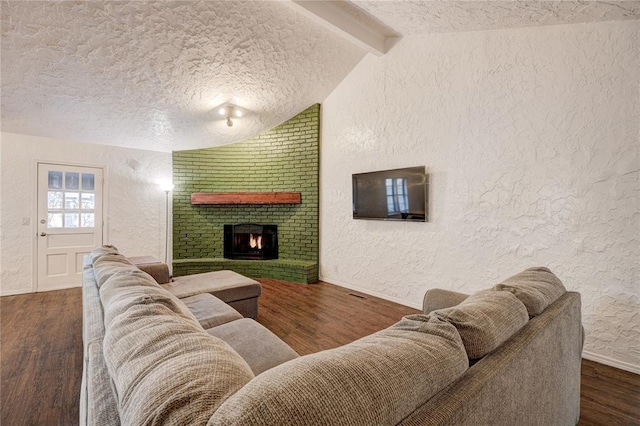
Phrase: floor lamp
[167,188]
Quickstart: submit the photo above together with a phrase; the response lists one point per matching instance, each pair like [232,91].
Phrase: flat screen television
[399,194]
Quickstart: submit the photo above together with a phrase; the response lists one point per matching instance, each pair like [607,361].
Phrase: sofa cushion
[255,344]
[126,288]
[438,298]
[107,261]
[536,287]
[209,310]
[99,251]
[485,320]
[379,379]
[166,369]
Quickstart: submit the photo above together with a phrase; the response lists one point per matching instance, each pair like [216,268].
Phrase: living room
[529,135]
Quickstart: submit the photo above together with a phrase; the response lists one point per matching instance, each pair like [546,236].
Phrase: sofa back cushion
[107,261]
[536,287]
[379,379]
[126,288]
[132,284]
[485,320]
[166,371]
[165,368]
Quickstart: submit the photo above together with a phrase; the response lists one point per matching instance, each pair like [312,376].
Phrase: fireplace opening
[250,241]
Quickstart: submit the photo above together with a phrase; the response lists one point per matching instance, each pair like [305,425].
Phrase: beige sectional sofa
[507,355]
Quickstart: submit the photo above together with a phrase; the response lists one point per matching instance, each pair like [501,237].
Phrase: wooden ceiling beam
[340,22]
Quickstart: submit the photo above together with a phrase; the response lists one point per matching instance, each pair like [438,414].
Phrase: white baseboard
[26,291]
[62,287]
[15,292]
[633,368]
[371,293]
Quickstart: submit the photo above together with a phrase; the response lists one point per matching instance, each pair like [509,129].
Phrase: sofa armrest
[437,298]
[159,271]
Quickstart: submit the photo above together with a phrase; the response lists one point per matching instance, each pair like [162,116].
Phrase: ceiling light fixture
[230,111]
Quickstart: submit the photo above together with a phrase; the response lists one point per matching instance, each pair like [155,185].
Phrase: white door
[69,222]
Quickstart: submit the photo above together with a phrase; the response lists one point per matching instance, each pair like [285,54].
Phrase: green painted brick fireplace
[283,159]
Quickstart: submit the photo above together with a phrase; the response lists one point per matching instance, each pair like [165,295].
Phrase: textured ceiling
[411,17]
[149,74]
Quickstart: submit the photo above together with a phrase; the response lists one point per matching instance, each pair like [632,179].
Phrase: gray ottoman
[237,290]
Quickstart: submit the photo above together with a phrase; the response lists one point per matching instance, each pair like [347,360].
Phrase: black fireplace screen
[251,241]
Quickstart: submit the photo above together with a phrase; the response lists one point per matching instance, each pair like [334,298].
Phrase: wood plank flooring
[41,358]
[608,396]
[41,349]
[314,317]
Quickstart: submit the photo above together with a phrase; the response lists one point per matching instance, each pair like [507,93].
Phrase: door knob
[43,234]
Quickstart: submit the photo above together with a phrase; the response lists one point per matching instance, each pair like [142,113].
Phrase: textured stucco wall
[135,205]
[531,140]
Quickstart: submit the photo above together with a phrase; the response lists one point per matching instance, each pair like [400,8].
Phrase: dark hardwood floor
[311,318]
[608,396]
[41,349]
[41,358]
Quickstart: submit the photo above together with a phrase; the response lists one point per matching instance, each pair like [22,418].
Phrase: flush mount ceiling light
[230,111]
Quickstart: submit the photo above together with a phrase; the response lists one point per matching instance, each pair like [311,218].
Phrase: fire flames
[255,241]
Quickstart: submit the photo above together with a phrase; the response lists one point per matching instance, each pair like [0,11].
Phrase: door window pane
[54,200]
[71,200]
[71,220]
[88,201]
[88,181]
[72,180]
[87,220]
[55,180]
[54,220]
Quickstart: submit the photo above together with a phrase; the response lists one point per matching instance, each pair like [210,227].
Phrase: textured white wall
[135,205]
[531,139]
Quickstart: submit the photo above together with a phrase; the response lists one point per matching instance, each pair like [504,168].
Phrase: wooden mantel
[245,198]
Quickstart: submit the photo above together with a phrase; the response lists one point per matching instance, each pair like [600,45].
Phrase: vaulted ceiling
[150,74]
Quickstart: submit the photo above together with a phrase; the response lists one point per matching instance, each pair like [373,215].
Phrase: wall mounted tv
[399,194]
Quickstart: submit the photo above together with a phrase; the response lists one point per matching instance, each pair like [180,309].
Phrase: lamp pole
[166,228]
[166,187]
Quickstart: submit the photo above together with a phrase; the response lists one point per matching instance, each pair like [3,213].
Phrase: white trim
[333,18]
[105,204]
[633,368]
[27,291]
[15,292]
[34,213]
[372,293]
[61,287]
[34,225]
